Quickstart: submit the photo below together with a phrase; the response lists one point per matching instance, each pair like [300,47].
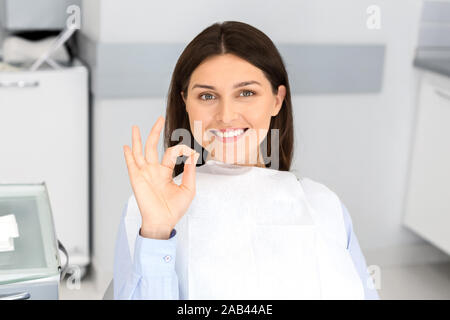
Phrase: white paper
[250,236]
[8,231]
[252,233]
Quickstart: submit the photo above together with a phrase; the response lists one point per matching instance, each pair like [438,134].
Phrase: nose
[227,112]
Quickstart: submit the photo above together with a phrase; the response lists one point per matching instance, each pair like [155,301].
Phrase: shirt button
[167,258]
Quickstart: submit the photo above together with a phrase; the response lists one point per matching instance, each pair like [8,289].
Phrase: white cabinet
[427,207]
[44,137]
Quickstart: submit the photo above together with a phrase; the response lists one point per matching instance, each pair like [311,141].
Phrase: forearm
[148,271]
[154,266]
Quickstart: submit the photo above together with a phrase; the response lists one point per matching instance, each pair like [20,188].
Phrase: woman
[230,82]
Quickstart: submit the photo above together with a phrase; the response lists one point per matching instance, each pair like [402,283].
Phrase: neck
[258,164]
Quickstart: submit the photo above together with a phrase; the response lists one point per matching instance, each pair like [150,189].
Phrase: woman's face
[228,93]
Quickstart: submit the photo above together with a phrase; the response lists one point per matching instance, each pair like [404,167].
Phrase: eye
[247,93]
[206,95]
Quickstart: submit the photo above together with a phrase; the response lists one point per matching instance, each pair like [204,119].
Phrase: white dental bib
[259,233]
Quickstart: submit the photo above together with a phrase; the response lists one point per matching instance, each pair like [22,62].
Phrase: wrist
[161,233]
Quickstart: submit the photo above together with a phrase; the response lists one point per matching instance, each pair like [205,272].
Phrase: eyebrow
[237,85]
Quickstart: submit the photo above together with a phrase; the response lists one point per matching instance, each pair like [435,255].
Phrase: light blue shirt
[152,276]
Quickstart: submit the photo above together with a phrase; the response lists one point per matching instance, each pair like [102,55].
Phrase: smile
[230,135]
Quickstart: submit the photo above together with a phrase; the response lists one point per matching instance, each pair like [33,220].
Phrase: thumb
[188,179]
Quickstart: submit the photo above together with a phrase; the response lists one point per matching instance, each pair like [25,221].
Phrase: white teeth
[229,134]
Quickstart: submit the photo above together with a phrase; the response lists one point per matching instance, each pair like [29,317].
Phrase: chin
[240,161]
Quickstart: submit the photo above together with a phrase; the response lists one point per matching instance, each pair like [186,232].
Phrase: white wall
[113,120]
[358,145]
[91,18]
[284,21]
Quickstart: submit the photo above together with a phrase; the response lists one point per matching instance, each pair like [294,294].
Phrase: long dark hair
[250,44]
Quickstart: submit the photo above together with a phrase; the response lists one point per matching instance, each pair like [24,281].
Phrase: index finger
[151,145]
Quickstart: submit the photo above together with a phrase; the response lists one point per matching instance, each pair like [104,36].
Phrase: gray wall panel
[35,14]
[121,70]
[434,36]
[434,30]
[322,69]
[436,11]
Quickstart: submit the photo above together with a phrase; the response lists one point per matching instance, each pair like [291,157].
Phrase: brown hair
[250,44]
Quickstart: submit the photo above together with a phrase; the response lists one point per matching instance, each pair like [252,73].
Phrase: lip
[230,129]
[229,139]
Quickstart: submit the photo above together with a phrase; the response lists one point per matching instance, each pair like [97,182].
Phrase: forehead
[226,70]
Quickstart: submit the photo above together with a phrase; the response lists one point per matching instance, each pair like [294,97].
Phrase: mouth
[229,135]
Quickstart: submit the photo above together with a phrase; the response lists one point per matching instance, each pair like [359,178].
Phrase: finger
[151,145]
[188,179]
[137,147]
[131,164]
[172,154]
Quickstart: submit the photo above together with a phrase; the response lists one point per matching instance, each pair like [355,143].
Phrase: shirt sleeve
[151,274]
[353,247]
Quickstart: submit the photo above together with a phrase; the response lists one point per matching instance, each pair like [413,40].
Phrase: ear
[182,96]
[279,100]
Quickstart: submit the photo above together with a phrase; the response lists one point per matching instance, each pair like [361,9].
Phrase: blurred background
[370,85]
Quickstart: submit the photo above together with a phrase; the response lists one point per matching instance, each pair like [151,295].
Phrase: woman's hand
[161,201]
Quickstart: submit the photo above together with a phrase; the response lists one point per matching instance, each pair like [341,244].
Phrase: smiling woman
[232,107]
[230,77]
[241,225]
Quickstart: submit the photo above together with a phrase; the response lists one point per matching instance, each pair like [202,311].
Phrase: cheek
[199,111]
[260,122]
[259,111]
[259,118]
[200,122]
